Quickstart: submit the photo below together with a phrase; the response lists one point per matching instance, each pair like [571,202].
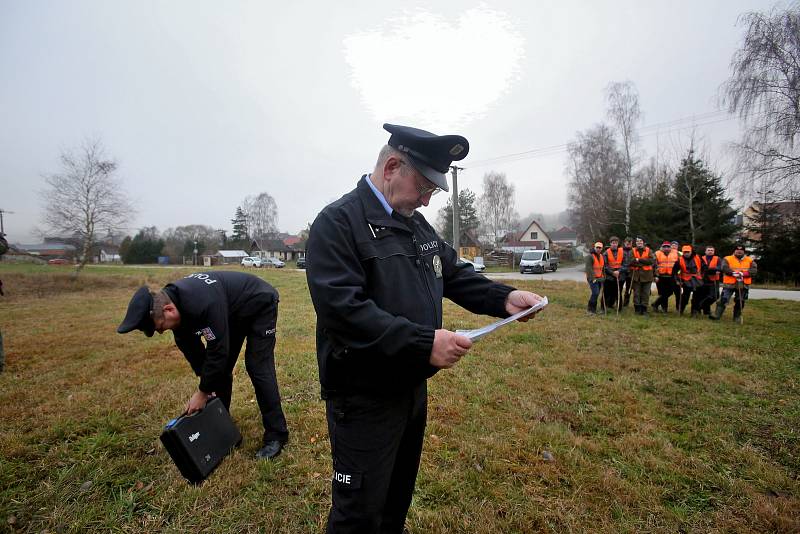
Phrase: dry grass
[662,425]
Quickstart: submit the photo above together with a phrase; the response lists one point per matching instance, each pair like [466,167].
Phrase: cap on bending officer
[377,273]
[223,308]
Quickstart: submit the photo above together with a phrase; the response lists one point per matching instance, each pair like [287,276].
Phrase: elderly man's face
[405,188]
[709,251]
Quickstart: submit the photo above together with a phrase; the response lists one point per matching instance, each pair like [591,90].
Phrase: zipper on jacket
[421,265]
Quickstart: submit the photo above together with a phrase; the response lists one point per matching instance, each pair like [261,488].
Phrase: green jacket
[640,275]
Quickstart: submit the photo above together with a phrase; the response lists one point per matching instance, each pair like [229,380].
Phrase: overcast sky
[204,103]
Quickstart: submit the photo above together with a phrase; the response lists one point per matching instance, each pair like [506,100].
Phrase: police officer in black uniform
[377,273]
[223,308]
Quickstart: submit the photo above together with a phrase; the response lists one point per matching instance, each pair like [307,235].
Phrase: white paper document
[480,332]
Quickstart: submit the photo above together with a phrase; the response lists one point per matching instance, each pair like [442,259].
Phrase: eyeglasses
[421,188]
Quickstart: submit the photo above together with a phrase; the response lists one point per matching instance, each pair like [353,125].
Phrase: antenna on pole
[2,228]
[456,229]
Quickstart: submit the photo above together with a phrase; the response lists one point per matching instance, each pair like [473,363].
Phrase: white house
[533,237]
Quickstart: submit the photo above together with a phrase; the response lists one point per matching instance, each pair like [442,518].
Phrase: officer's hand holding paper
[522,315]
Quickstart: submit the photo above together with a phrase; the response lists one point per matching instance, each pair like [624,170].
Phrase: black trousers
[628,289]
[612,292]
[376,444]
[666,287]
[259,360]
[708,294]
[688,294]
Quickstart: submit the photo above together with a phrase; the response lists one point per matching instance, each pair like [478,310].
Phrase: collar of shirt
[378,194]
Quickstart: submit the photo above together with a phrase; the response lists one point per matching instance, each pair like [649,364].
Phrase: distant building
[533,237]
[225,257]
[784,211]
[468,246]
[278,248]
[565,236]
[49,250]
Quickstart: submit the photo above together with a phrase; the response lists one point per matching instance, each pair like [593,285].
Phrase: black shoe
[270,450]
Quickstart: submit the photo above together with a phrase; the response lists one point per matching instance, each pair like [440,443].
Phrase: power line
[703,119]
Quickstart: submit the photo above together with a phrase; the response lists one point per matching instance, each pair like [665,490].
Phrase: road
[576,274]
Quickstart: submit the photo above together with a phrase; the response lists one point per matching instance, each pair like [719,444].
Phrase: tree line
[614,189]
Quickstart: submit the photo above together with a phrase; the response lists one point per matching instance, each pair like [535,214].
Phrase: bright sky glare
[421,68]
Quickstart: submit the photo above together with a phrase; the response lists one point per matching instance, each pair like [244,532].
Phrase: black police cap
[429,153]
[138,316]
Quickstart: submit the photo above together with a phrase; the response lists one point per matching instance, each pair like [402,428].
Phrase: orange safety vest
[666,261]
[712,265]
[737,266]
[614,263]
[645,253]
[597,265]
[685,275]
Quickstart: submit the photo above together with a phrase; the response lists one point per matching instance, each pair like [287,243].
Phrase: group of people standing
[693,280]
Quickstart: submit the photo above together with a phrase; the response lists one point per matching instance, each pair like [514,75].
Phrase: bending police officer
[224,308]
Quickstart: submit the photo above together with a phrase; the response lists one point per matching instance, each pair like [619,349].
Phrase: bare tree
[764,90]
[496,205]
[181,240]
[623,109]
[85,197]
[596,189]
[261,212]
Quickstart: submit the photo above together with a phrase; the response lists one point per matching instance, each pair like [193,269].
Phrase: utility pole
[2,228]
[456,218]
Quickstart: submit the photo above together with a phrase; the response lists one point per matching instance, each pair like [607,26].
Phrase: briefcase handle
[186,413]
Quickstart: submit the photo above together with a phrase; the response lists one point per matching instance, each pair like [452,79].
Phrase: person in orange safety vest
[665,281]
[738,270]
[641,269]
[688,272]
[615,270]
[709,293]
[595,264]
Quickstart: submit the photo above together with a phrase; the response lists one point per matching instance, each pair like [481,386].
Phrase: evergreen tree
[467,215]
[145,247]
[705,216]
[239,223]
[775,241]
[653,216]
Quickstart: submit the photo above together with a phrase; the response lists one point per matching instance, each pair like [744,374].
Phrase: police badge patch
[437,265]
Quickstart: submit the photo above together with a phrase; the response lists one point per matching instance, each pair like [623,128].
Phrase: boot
[590,310]
[717,312]
[695,314]
[738,319]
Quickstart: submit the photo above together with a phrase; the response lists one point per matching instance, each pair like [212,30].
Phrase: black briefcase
[197,443]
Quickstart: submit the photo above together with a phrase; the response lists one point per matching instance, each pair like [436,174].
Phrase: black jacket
[377,283]
[209,305]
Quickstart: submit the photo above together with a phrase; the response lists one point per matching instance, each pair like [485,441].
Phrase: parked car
[58,261]
[478,266]
[273,262]
[301,263]
[537,261]
[251,261]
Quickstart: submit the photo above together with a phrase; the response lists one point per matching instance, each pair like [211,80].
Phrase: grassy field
[565,424]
